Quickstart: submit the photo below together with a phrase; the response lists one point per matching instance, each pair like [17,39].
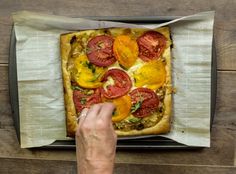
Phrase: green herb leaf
[90,66]
[136,106]
[76,88]
[134,120]
[89,92]
[100,44]
[96,76]
[123,67]
[83,101]
[88,50]
[93,70]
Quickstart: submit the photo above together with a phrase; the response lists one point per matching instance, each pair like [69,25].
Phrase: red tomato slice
[151,45]
[100,50]
[85,98]
[116,83]
[144,102]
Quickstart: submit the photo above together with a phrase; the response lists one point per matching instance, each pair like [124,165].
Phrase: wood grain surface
[22,166]
[220,158]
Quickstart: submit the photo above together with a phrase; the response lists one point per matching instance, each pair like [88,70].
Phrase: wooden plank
[226,94]
[234,149]
[226,109]
[23,166]
[11,148]
[172,169]
[5,109]
[225,34]
[221,139]
[122,8]
[225,24]
[3,76]
[206,156]
[5,30]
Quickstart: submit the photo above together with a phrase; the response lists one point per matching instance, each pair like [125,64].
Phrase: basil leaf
[89,92]
[134,120]
[76,88]
[96,76]
[136,106]
[123,67]
[100,44]
[90,66]
[88,50]
[83,101]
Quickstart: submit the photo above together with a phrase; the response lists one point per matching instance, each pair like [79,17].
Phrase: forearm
[91,167]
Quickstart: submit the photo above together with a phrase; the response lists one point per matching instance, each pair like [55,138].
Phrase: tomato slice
[99,50]
[84,98]
[151,45]
[125,50]
[151,75]
[116,83]
[87,74]
[123,105]
[144,102]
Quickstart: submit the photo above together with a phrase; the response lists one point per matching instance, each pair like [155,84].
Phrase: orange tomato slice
[125,50]
[151,75]
[123,106]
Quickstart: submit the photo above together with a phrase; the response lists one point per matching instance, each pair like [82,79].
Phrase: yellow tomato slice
[123,106]
[86,74]
[151,75]
[125,50]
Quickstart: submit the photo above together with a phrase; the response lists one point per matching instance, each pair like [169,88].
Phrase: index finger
[106,112]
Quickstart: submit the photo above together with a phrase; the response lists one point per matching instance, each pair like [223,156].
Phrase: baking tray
[137,142]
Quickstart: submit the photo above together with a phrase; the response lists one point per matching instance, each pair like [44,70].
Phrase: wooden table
[220,158]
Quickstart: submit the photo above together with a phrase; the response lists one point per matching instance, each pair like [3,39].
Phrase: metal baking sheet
[135,142]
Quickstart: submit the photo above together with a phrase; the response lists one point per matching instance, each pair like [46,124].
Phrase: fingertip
[106,111]
[109,105]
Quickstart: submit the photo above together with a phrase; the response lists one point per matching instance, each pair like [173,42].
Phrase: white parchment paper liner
[41,102]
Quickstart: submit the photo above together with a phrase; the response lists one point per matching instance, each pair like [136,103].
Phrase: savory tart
[129,67]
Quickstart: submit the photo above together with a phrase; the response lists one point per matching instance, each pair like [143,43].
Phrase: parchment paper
[41,103]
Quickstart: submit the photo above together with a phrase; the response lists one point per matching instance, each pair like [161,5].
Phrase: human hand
[96,140]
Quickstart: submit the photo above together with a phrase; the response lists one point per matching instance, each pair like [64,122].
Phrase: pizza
[128,67]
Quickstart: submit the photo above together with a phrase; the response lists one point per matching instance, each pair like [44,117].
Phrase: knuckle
[95,106]
[85,128]
[100,124]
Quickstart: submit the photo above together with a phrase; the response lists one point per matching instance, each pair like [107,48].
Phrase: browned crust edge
[68,93]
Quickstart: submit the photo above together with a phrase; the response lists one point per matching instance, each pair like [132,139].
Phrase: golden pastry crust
[162,126]
[68,93]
